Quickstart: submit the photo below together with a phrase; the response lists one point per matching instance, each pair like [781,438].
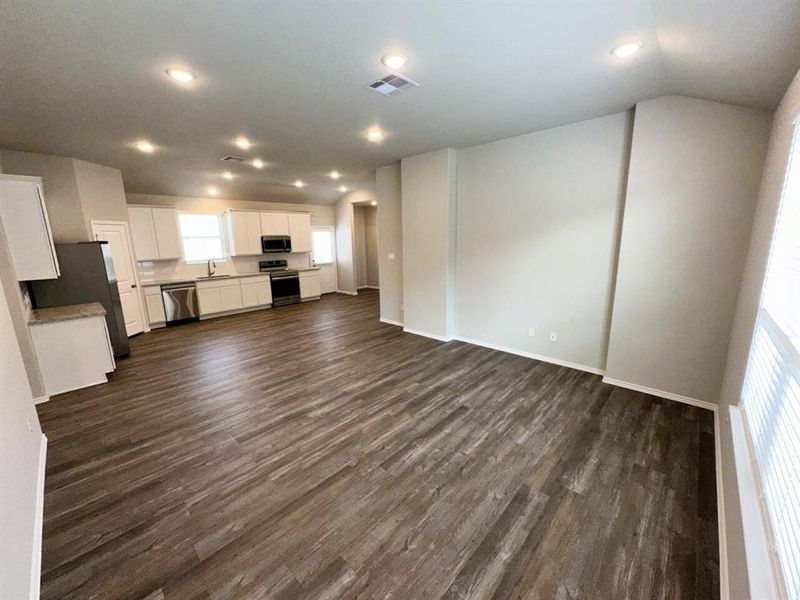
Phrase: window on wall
[322,244]
[202,237]
[771,394]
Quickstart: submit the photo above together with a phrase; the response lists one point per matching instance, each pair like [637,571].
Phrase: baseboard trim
[41,399]
[390,322]
[348,293]
[369,287]
[433,336]
[531,355]
[36,555]
[662,394]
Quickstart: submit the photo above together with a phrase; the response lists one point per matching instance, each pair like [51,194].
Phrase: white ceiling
[86,78]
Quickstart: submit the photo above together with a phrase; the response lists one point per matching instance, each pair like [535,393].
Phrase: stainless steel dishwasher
[180,301]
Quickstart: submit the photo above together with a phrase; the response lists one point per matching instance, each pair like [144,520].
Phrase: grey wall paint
[371,245]
[20,449]
[429,198]
[537,230]
[101,193]
[60,191]
[345,248]
[390,241]
[769,197]
[360,246]
[694,174]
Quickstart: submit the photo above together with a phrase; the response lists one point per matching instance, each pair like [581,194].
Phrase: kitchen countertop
[66,313]
[156,282]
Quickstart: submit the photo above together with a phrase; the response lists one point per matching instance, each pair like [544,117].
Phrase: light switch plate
[391,255]
[531,331]
[553,336]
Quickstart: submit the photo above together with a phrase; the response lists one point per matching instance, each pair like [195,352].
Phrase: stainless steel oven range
[284,282]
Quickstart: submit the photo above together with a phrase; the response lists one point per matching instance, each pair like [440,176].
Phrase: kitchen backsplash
[164,270]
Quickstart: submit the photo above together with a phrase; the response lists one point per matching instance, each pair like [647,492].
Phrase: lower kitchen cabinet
[310,288]
[155,306]
[232,294]
[256,291]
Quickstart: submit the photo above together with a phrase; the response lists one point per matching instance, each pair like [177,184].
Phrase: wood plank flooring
[313,452]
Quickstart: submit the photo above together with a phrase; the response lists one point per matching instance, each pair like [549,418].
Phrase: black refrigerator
[87,275]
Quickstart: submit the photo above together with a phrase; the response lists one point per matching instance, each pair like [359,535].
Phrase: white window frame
[222,237]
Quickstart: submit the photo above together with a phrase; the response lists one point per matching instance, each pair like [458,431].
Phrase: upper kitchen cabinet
[244,232]
[27,228]
[155,232]
[273,223]
[300,231]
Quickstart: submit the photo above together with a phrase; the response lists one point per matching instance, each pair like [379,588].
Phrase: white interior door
[323,255]
[116,234]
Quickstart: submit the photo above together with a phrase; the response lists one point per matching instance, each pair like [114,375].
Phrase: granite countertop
[155,282]
[66,313]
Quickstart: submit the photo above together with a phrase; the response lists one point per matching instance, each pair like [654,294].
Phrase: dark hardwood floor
[313,452]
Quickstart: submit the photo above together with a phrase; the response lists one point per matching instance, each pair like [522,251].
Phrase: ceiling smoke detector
[392,84]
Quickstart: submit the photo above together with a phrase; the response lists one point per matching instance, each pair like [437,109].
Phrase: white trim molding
[540,357]
[724,581]
[433,336]
[41,399]
[390,322]
[36,554]
[346,292]
[662,394]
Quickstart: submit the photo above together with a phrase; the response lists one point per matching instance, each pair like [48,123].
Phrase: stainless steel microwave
[275,243]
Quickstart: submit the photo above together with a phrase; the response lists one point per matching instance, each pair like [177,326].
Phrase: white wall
[21,462]
[390,241]
[537,230]
[360,246]
[101,193]
[345,243]
[429,204]
[745,317]
[371,246]
[692,186]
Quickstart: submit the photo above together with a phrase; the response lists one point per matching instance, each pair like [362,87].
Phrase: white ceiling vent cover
[392,84]
[232,158]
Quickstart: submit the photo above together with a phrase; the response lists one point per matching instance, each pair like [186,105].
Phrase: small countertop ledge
[40,316]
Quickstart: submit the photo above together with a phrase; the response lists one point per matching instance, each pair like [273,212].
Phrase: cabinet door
[237,233]
[309,285]
[168,239]
[230,297]
[300,231]
[250,294]
[208,300]
[265,293]
[253,224]
[143,232]
[155,307]
[274,223]
[27,228]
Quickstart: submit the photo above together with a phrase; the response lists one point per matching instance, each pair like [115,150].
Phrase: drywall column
[345,244]
[429,243]
[692,187]
[390,242]
[371,245]
[769,197]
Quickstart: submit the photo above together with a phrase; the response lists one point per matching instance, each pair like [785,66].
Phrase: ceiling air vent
[392,84]
[232,158]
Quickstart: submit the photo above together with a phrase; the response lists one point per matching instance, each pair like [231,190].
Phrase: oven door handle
[282,277]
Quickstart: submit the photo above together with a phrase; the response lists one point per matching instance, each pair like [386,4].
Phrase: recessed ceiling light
[227,175]
[342,188]
[182,75]
[242,142]
[212,191]
[145,146]
[299,183]
[258,163]
[374,203]
[394,61]
[628,49]
[335,174]
[375,135]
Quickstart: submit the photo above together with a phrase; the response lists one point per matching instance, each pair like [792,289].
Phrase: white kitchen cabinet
[217,296]
[300,231]
[310,288]
[155,306]
[256,291]
[155,233]
[244,232]
[168,237]
[273,223]
[73,354]
[27,228]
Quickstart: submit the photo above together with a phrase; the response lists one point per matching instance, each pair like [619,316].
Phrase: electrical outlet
[553,336]
[531,331]
[391,255]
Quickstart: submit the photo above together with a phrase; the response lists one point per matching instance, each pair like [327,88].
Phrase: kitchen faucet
[210,270]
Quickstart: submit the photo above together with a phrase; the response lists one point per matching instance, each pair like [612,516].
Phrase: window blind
[771,393]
